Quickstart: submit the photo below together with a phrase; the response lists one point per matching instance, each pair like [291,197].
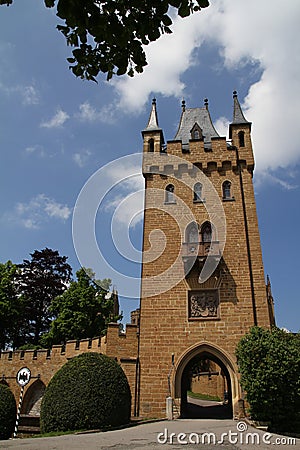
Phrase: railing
[200,248]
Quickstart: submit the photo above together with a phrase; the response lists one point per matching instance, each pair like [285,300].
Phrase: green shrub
[89,392]
[8,411]
[269,362]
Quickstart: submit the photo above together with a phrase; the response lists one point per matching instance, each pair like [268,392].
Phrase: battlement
[219,156]
[113,341]
[68,350]
[122,345]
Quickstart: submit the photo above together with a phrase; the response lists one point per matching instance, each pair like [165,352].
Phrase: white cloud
[266,33]
[128,208]
[126,197]
[221,126]
[81,158]
[128,175]
[273,102]
[30,95]
[57,120]
[87,113]
[35,150]
[56,210]
[37,211]
[167,58]
[265,176]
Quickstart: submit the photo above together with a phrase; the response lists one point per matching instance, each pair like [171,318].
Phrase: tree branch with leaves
[109,36]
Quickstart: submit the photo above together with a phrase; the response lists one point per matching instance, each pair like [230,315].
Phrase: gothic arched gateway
[184,370]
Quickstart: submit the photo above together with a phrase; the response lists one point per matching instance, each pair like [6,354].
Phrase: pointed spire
[152,122]
[238,116]
[152,125]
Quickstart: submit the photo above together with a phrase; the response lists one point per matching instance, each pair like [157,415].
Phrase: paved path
[146,436]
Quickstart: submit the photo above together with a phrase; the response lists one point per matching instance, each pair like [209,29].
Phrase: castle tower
[203,283]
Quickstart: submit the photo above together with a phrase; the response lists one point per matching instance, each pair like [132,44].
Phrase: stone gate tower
[203,282]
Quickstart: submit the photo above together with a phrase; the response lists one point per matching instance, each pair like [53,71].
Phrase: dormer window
[241,136]
[196,132]
[170,198]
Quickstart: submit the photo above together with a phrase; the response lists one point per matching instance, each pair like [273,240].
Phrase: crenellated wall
[43,364]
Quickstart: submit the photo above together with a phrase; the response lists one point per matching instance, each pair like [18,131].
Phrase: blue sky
[56,131]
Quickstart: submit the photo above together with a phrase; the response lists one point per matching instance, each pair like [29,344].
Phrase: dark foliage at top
[108,35]
[40,280]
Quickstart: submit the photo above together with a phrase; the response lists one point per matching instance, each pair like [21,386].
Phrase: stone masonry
[185,313]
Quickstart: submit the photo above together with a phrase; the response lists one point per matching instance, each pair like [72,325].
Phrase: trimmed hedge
[8,412]
[89,392]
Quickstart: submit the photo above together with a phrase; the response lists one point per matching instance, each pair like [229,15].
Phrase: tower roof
[192,116]
[153,121]
[238,116]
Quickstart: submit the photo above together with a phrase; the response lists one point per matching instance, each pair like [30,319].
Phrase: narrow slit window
[227,190]
[170,197]
[241,136]
[151,145]
[198,192]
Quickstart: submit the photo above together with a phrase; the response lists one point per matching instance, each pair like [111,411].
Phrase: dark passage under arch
[204,366]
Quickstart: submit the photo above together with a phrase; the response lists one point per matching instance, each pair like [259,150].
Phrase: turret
[153,134]
[240,134]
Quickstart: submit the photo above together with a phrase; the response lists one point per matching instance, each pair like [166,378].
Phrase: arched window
[192,233]
[170,198]
[241,136]
[151,145]
[226,186]
[198,192]
[206,232]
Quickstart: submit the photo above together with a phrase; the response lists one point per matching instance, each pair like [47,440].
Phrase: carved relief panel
[204,304]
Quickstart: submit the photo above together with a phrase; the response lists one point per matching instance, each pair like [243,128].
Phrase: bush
[8,412]
[89,392]
[269,362]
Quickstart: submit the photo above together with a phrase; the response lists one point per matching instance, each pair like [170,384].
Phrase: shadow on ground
[201,409]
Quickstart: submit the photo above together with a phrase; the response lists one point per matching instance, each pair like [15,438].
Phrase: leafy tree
[82,311]
[40,280]
[11,307]
[269,362]
[108,35]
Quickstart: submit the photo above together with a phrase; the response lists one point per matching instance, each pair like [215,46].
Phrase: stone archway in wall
[31,405]
[222,366]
